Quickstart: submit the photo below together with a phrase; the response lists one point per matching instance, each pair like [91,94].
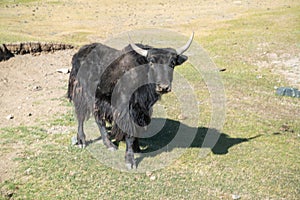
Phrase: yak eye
[173,63]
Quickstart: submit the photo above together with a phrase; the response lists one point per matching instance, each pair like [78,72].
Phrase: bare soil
[31,89]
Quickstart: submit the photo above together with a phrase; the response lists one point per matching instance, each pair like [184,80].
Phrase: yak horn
[181,50]
[137,49]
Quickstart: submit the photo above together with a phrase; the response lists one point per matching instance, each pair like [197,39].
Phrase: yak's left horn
[182,49]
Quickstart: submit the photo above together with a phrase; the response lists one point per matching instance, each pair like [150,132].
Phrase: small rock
[63,70]
[37,88]
[182,117]
[237,2]
[148,173]
[9,195]
[28,171]
[72,173]
[152,178]
[235,197]
[74,140]
[9,116]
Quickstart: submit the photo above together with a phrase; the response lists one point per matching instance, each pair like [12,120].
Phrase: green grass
[5,2]
[266,167]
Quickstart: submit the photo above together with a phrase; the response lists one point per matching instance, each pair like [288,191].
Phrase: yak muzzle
[163,88]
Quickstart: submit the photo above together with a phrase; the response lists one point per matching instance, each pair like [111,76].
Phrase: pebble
[152,178]
[236,197]
[28,171]
[259,76]
[37,88]
[237,2]
[9,117]
[63,70]
[148,173]
[182,117]
[74,140]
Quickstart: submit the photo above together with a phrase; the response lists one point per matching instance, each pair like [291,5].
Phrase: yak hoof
[130,161]
[81,146]
[110,146]
[130,166]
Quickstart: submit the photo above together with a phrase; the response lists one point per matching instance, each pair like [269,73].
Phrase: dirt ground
[31,89]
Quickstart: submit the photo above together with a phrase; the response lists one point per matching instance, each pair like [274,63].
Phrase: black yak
[120,87]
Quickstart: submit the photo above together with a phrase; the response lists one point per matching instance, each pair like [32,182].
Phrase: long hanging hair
[139,116]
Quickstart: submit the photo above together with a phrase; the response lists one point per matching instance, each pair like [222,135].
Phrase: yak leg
[80,134]
[136,146]
[129,155]
[104,135]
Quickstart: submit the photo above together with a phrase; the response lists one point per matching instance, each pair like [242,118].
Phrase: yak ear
[181,59]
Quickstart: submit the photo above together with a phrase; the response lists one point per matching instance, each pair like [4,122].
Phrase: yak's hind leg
[80,134]
[104,135]
[129,155]
[136,146]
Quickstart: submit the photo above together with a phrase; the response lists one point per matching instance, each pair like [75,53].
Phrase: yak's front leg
[129,155]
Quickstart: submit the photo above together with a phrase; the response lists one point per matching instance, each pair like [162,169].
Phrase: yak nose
[163,88]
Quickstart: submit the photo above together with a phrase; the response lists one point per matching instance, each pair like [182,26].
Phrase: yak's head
[161,62]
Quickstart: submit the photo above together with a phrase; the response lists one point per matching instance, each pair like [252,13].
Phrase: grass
[6,2]
[266,167]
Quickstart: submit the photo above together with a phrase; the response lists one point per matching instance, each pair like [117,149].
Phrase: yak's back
[87,66]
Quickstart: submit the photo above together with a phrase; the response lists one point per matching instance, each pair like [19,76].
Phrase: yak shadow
[171,134]
[175,134]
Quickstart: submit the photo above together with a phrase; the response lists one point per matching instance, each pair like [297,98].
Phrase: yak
[120,87]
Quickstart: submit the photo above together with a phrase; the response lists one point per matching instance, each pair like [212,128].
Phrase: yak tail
[72,78]
[76,63]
